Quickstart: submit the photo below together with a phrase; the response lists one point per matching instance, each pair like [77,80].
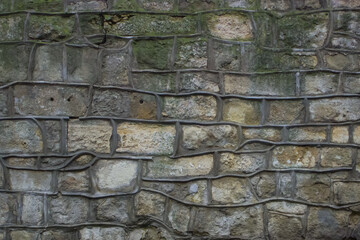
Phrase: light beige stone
[286,208]
[231,190]
[294,157]
[271,134]
[242,111]
[150,204]
[336,157]
[25,180]
[179,217]
[307,134]
[346,192]
[74,181]
[356,134]
[241,163]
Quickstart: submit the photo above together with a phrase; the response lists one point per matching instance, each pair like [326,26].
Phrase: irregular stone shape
[74,181]
[308,4]
[116,175]
[243,223]
[345,3]
[191,53]
[307,134]
[325,223]
[286,112]
[241,163]
[340,134]
[164,167]
[152,54]
[48,63]
[275,4]
[3,103]
[57,235]
[336,157]
[227,56]
[30,180]
[115,68]
[53,134]
[92,24]
[112,209]
[50,100]
[68,210]
[112,102]
[14,62]
[98,233]
[199,81]
[91,135]
[269,85]
[347,22]
[154,82]
[85,5]
[196,107]
[191,6]
[340,61]
[8,208]
[346,192]
[12,27]
[285,185]
[231,190]
[22,235]
[286,208]
[334,109]
[317,84]
[20,136]
[144,138]
[149,204]
[51,28]
[53,162]
[345,43]
[285,227]
[271,134]
[144,24]
[157,5]
[196,137]
[82,66]
[150,233]
[242,111]
[356,134]
[351,84]
[294,157]
[306,31]
[32,209]
[230,26]
[313,188]
[264,185]
[179,217]
[39,5]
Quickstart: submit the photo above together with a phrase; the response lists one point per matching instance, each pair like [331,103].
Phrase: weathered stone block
[179,217]
[199,81]
[21,162]
[150,233]
[271,134]
[344,43]
[285,227]
[317,84]
[313,188]
[240,222]
[14,60]
[351,83]
[154,82]
[294,157]
[112,209]
[91,24]
[334,109]
[50,100]
[51,28]
[198,137]
[48,63]
[264,185]
[1,176]
[22,235]
[269,85]
[241,163]
[285,185]
[68,210]
[39,5]
[307,134]
[57,235]
[74,181]
[286,112]
[30,180]
[12,27]
[340,134]
[20,136]
[164,167]
[345,3]
[115,68]
[346,192]
[102,233]
[309,4]
[52,162]
[196,107]
[3,103]
[32,209]
[82,66]
[91,135]
[146,138]
[230,26]
[227,56]
[157,5]
[116,175]
[8,208]
[112,102]
[341,61]
[200,5]
[191,53]
[231,190]
[286,208]
[240,3]
[347,21]
[336,157]
[53,134]
[356,134]
[85,5]
[276,5]
[150,204]
[242,111]
[126,24]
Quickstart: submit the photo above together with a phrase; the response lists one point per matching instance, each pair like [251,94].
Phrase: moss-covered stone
[227,56]
[86,5]
[125,5]
[39,5]
[152,53]
[191,53]
[12,27]
[279,5]
[91,24]
[265,27]
[348,22]
[82,64]
[199,81]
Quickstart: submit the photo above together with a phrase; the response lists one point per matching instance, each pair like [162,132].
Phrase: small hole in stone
[69,99]
[141,101]
[51,99]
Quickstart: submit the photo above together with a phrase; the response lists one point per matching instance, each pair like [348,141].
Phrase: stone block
[286,112]
[30,180]
[242,111]
[154,82]
[199,81]
[313,188]
[14,61]
[319,84]
[82,64]
[307,134]
[179,217]
[333,157]
[48,63]
[32,209]
[294,157]
[157,5]
[112,209]
[264,185]
[115,68]
[68,210]
[12,27]
[340,134]
[74,181]
[241,163]
[191,53]
[150,204]
[8,208]
[346,192]
[102,233]
[270,134]
[285,227]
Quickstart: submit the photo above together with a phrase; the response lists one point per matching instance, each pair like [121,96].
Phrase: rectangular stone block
[48,64]
[150,204]
[113,209]
[191,6]
[226,56]
[68,210]
[199,81]
[340,134]
[20,136]
[197,137]
[39,5]
[341,61]
[115,68]
[264,185]
[84,5]
[164,167]
[53,134]
[333,157]
[356,134]
[241,163]
[346,192]
[286,112]
[144,138]
[307,134]
[74,181]
[269,85]
[319,83]
[32,209]
[50,100]
[280,5]
[179,216]
[8,208]
[158,5]
[270,134]
[351,83]
[4,103]
[242,111]
[24,180]
[123,104]
[12,27]
[313,188]
[294,157]
[282,226]
[348,43]
[196,107]
[345,3]
[91,135]
[154,82]
[334,109]
[102,233]
[231,190]
[14,60]
[191,53]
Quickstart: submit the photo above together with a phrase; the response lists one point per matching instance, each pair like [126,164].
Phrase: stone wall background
[179,119]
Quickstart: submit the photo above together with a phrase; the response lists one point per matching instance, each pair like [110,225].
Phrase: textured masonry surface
[179,119]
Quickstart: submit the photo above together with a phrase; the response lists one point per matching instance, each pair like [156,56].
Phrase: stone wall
[179,119]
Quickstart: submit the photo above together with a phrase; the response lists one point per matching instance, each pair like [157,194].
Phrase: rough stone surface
[115,67]
[346,192]
[317,84]
[231,190]
[283,227]
[271,134]
[296,157]
[286,112]
[264,185]
[14,60]
[307,134]
[12,27]
[82,65]
[154,82]
[8,208]
[199,81]
[97,233]
[30,180]
[351,84]
[191,53]
[68,210]
[336,157]
[112,209]
[48,63]
[32,209]
[313,188]
[340,134]
[242,111]
[74,181]
[241,163]
[150,204]
[179,217]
